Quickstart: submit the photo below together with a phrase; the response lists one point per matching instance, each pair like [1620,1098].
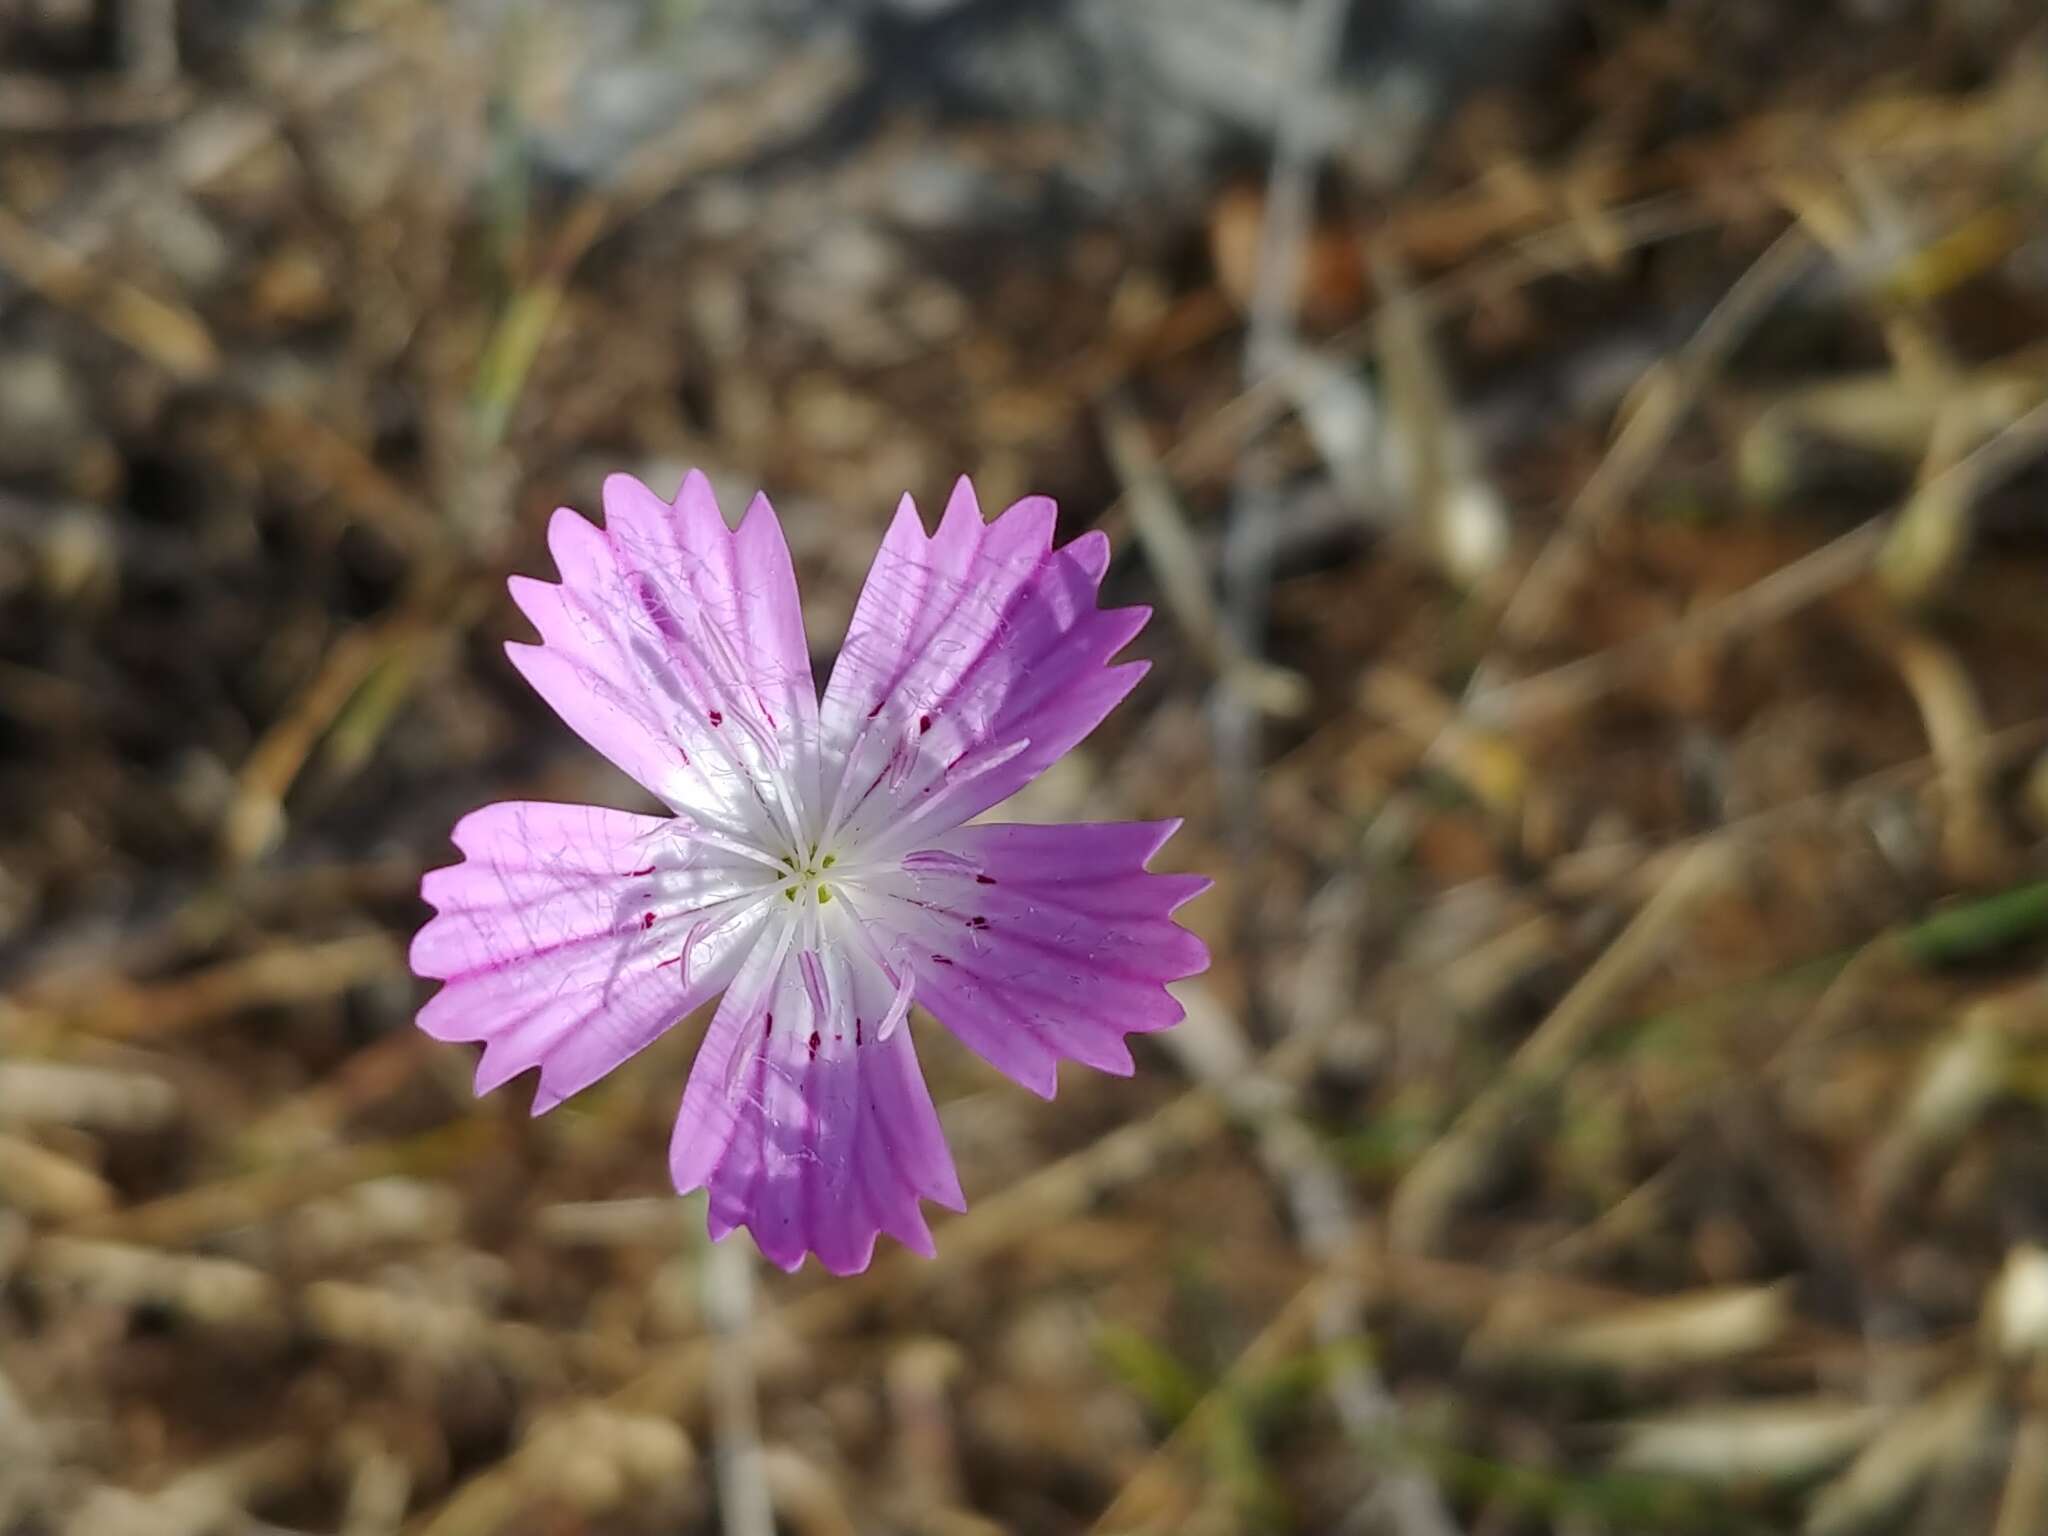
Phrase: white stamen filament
[848,766]
[895,968]
[938,861]
[814,985]
[744,905]
[752,1041]
[744,707]
[899,1006]
[898,833]
[732,845]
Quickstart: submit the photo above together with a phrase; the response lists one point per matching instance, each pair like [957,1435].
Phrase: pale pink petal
[809,1125]
[1037,944]
[561,939]
[675,647]
[976,657]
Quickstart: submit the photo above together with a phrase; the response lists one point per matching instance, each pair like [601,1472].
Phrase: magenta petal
[1036,944]
[807,1127]
[675,647]
[560,938]
[975,658]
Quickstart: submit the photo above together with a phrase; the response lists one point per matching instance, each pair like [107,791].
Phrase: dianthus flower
[816,867]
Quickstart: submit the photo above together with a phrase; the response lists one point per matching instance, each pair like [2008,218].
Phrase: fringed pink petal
[675,647]
[809,1125]
[975,658]
[1037,944]
[562,939]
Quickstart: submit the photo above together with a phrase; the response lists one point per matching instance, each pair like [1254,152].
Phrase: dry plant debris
[1605,622]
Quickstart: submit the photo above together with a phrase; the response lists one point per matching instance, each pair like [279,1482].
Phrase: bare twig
[1180,570]
[255,820]
[1972,842]
[1148,1499]
[33,104]
[1777,596]
[206,1498]
[205,1209]
[584,1461]
[1214,1049]
[283,974]
[1661,404]
[1461,522]
[1424,1199]
[1785,591]
[149,40]
[165,332]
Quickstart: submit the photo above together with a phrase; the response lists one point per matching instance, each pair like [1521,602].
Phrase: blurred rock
[1176,85]
[1163,91]
[585,84]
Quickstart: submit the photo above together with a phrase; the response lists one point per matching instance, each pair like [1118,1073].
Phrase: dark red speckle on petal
[924,723]
[635,874]
[646,921]
[768,1024]
[716,718]
[940,960]
[977,922]
[816,1041]
[856,1032]
[984,879]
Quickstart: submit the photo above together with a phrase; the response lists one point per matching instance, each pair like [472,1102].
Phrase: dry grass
[1601,659]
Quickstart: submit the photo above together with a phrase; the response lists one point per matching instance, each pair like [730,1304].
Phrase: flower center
[807,876]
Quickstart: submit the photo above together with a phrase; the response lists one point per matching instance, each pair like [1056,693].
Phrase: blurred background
[1585,456]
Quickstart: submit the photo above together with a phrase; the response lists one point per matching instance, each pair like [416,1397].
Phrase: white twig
[1169,548]
[743,1501]
[1248,530]
[1404,1499]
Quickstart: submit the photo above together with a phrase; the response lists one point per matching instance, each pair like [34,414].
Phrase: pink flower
[815,866]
